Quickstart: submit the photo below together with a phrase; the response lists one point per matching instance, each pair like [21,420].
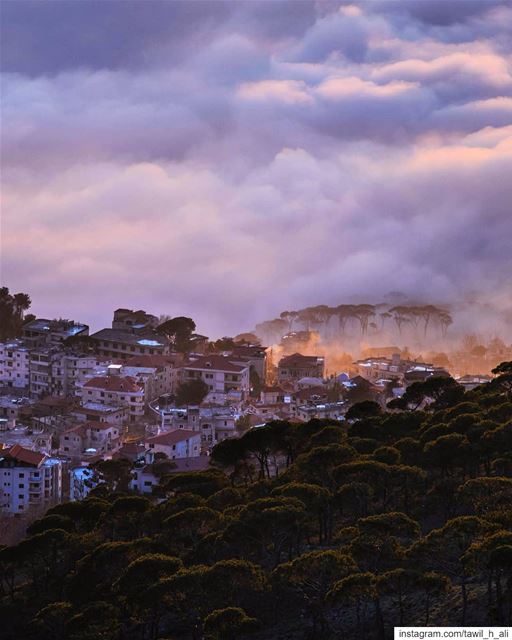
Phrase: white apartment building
[54,371]
[176,444]
[226,381]
[28,480]
[14,364]
[114,390]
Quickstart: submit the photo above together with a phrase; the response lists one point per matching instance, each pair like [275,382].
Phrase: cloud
[227,160]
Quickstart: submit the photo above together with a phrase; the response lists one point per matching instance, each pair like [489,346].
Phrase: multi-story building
[42,332]
[158,374]
[28,480]
[214,423]
[226,381]
[181,443]
[59,372]
[254,356]
[293,368]
[117,391]
[14,364]
[114,343]
[102,437]
[133,321]
[97,412]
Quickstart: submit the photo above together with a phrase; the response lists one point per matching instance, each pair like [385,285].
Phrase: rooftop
[173,437]
[218,363]
[114,383]
[69,327]
[20,454]
[299,360]
[125,337]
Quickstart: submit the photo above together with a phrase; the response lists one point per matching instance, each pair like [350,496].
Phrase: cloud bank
[229,160]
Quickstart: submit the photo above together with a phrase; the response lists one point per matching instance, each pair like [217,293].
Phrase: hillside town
[152,393]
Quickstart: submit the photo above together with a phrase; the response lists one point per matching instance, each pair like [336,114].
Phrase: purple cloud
[227,160]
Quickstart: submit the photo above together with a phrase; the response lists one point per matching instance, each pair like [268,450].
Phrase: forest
[313,531]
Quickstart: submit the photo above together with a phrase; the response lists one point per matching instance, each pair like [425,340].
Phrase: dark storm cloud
[226,160]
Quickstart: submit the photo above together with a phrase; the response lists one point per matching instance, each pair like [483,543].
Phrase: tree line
[333,322]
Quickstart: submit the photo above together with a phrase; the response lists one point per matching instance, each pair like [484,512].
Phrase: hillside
[317,530]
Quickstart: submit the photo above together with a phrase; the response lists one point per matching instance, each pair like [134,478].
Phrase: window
[22,475]
[21,497]
[21,485]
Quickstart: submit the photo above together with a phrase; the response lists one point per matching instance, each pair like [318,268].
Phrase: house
[322,411]
[293,368]
[272,395]
[103,437]
[420,372]
[143,479]
[119,391]
[14,364]
[182,443]
[470,382]
[28,480]
[226,380]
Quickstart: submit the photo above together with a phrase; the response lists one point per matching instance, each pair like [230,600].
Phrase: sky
[229,160]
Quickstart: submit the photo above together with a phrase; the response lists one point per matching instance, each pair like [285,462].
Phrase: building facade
[28,480]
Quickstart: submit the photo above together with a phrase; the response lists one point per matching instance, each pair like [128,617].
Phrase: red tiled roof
[114,383]
[268,389]
[20,454]
[172,437]
[215,362]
